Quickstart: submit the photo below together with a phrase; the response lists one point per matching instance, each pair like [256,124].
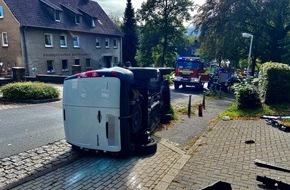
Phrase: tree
[117,21]
[162,29]
[130,39]
[222,22]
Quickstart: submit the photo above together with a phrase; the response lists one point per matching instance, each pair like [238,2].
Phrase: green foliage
[162,30]
[170,77]
[130,39]
[183,109]
[29,91]
[235,112]
[274,85]
[222,23]
[247,95]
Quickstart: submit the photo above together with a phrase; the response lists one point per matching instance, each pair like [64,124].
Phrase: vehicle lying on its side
[115,109]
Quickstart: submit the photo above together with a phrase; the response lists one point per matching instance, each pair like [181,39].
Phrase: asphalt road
[28,127]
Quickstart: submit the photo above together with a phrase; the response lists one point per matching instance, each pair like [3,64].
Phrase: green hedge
[247,96]
[29,91]
[274,83]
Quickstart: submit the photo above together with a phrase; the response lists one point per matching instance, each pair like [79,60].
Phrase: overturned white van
[115,109]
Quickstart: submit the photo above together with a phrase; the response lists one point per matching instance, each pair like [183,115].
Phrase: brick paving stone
[222,155]
[95,171]
[21,167]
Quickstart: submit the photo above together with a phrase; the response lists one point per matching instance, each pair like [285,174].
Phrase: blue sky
[117,7]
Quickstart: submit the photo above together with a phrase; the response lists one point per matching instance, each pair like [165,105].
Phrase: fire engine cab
[190,71]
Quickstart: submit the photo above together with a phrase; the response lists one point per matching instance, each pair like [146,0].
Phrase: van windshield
[187,64]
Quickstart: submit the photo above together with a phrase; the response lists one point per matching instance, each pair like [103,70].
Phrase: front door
[108,61]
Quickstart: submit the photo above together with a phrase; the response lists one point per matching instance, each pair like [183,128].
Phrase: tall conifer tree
[130,39]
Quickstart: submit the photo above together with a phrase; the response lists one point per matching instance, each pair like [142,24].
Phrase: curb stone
[30,101]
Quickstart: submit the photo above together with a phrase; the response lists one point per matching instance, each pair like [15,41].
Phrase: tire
[146,78]
[166,118]
[149,148]
[75,148]
[176,86]
[163,72]
[199,87]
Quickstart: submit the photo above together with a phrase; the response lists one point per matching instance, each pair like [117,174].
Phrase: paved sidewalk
[92,171]
[222,155]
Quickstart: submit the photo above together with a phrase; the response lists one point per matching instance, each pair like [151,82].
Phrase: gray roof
[35,13]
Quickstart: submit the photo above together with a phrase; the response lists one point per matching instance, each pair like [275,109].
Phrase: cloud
[117,7]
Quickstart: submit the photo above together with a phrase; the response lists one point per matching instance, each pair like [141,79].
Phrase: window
[57,16]
[98,43]
[4,39]
[64,65]
[76,41]
[78,19]
[77,61]
[107,42]
[48,40]
[115,43]
[1,12]
[93,22]
[62,41]
[49,64]
[88,64]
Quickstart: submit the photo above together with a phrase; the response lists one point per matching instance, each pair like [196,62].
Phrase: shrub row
[274,83]
[29,91]
[247,96]
[272,86]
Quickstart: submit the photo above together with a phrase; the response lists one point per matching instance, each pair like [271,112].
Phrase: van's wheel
[176,86]
[75,148]
[149,148]
[166,118]
[199,87]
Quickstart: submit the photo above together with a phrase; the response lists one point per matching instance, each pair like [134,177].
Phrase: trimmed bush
[274,83]
[29,91]
[248,97]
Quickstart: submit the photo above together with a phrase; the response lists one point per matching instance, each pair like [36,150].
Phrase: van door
[91,113]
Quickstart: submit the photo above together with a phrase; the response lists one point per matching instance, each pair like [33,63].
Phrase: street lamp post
[247,35]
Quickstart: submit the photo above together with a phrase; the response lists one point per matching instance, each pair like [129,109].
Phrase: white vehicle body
[91,113]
